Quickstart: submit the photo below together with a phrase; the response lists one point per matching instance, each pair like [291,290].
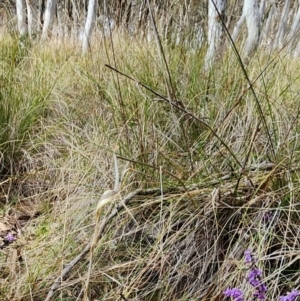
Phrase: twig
[251,87]
[154,167]
[108,197]
[68,268]
[126,200]
[122,297]
[57,283]
[182,109]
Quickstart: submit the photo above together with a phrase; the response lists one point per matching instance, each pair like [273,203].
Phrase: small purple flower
[268,217]
[235,293]
[248,256]
[10,238]
[263,288]
[292,296]
[254,276]
[260,295]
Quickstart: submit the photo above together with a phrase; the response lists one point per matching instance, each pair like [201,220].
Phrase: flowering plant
[10,237]
[254,278]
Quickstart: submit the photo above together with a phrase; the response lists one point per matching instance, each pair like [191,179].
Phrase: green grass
[63,115]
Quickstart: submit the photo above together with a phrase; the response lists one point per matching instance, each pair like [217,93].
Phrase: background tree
[32,16]
[48,17]
[216,8]
[281,32]
[21,15]
[89,25]
[251,14]
[269,24]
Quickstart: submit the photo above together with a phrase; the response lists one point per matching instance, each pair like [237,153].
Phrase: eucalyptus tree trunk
[262,9]
[41,14]
[21,15]
[279,40]
[89,25]
[294,29]
[267,30]
[32,15]
[252,15]
[281,21]
[48,17]
[75,20]
[216,10]
[237,28]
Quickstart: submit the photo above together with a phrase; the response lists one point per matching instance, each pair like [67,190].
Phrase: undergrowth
[216,165]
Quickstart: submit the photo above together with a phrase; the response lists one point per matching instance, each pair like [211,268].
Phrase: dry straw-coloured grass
[195,194]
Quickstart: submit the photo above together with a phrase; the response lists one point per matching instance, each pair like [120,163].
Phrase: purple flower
[260,293]
[235,293]
[248,256]
[254,276]
[268,217]
[292,296]
[9,237]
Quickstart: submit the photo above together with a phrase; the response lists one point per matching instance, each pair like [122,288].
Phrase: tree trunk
[75,19]
[216,10]
[237,28]
[278,43]
[252,15]
[49,13]
[21,15]
[32,15]
[89,25]
[41,14]
[293,32]
[266,34]
[262,9]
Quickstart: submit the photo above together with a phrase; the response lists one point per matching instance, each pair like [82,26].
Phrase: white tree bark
[89,25]
[238,27]
[294,28]
[49,14]
[279,40]
[215,30]
[32,15]
[21,15]
[262,9]
[75,18]
[41,15]
[266,34]
[252,15]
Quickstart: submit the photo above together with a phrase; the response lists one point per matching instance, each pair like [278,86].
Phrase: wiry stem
[108,197]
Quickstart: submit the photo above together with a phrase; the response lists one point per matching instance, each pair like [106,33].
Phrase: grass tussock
[212,165]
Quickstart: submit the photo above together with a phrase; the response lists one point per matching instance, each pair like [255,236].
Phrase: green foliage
[25,87]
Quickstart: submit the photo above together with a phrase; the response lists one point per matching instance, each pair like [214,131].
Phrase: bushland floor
[208,164]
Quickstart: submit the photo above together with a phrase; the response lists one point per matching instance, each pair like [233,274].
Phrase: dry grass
[204,187]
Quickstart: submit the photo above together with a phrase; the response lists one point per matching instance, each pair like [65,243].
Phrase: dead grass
[205,187]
